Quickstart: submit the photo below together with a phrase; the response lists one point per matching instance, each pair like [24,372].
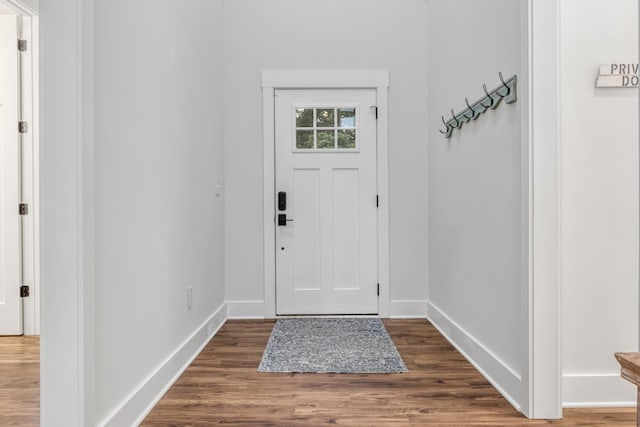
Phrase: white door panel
[305,236]
[10,301]
[326,254]
[345,220]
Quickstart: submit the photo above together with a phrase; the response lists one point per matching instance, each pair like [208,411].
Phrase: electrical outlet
[189,297]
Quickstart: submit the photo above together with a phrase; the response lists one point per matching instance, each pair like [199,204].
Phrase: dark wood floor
[223,387]
[19,381]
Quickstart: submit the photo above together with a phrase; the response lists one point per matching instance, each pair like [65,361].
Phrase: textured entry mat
[337,345]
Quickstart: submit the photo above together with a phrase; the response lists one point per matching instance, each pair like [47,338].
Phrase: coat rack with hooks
[507,91]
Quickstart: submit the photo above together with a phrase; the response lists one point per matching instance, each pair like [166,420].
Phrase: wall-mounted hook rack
[507,91]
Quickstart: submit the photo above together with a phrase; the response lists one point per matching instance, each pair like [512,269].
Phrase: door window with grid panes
[326,128]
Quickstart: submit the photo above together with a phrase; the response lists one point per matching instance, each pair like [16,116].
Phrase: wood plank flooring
[442,388]
[223,387]
[19,381]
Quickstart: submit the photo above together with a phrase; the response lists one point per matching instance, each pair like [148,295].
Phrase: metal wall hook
[446,125]
[503,84]
[474,114]
[506,92]
[458,122]
[484,87]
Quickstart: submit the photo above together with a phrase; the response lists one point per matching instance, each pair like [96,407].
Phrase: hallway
[223,386]
[441,387]
[158,211]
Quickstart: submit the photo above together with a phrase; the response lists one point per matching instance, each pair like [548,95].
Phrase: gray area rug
[329,345]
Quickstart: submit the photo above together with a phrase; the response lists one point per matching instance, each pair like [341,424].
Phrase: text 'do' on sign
[624,75]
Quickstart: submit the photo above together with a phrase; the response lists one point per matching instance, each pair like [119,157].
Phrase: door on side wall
[10,222]
[326,203]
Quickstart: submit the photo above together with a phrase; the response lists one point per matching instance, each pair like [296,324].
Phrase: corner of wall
[246,309]
[135,407]
[497,372]
[399,309]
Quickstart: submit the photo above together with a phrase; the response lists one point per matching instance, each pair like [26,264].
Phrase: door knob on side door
[282,220]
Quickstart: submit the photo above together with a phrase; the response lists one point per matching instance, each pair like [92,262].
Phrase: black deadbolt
[282,201]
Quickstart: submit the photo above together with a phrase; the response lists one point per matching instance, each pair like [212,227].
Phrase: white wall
[61,344]
[599,202]
[477,194]
[159,226]
[334,34]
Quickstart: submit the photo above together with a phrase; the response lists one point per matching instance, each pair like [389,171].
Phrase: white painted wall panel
[599,200]
[476,191]
[158,153]
[334,34]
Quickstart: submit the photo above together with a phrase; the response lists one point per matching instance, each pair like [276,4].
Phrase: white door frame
[31,177]
[324,79]
[29,168]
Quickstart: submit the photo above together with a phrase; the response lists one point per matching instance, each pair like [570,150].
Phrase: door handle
[282,220]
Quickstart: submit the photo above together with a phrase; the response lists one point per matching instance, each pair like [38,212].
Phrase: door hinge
[378,289]
[23,209]
[23,127]
[22,45]
[24,291]
[375,110]
[377,201]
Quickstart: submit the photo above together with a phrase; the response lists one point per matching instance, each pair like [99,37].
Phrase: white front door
[326,203]
[10,268]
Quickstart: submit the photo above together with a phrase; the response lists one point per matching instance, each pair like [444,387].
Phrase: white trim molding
[504,378]
[137,405]
[22,8]
[597,391]
[323,79]
[543,307]
[30,184]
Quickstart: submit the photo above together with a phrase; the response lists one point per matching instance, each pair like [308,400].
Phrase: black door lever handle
[282,220]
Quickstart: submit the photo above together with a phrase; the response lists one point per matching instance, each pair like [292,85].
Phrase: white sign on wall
[618,75]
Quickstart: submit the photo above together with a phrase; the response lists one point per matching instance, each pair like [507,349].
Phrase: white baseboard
[497,372]
[256,309]
[245,309]
[407,309]
[136,406]
[597,391]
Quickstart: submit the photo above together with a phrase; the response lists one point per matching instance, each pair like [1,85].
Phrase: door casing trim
[29,94]
[273,80]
